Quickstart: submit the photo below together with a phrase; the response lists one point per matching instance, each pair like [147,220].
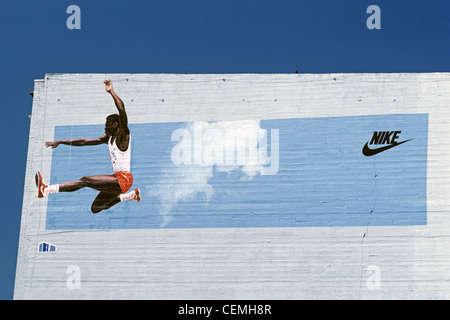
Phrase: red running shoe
[137,195]
[40,185]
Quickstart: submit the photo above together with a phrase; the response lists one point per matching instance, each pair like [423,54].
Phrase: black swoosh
[370,152]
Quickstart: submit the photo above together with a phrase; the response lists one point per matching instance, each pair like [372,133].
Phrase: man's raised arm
[123,119]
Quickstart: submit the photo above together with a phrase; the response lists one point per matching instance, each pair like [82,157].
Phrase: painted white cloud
[200,148]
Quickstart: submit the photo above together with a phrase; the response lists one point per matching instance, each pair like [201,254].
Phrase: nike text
[385,137]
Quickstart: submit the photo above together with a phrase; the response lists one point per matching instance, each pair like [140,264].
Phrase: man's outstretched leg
[108,183]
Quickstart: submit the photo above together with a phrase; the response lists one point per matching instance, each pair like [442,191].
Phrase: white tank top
[120,159]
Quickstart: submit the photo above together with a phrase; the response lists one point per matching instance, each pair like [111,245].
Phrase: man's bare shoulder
[104,138]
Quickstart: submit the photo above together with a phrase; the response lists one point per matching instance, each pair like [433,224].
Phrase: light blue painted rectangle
[323,178]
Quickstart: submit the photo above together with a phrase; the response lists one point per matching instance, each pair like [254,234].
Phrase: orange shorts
[125,180]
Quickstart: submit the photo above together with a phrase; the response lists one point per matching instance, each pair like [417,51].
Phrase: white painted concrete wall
[367,262]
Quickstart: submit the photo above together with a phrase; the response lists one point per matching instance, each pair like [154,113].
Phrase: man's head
[112,123]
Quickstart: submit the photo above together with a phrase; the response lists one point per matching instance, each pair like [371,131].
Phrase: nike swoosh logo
[370,152]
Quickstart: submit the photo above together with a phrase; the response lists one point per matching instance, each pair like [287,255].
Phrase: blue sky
[195,36]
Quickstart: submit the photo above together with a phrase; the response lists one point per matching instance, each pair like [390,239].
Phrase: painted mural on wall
[296,172]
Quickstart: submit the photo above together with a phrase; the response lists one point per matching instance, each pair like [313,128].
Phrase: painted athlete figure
[113,187]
